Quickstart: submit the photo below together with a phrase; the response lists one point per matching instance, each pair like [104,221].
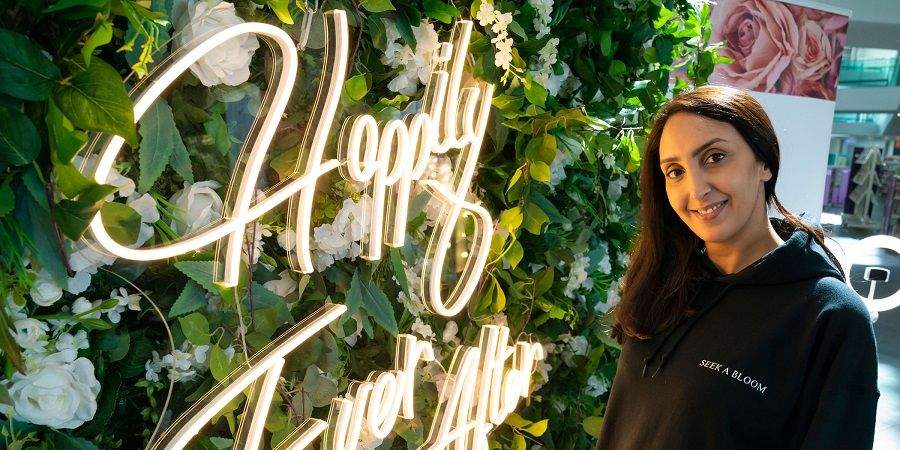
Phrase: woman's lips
[710,212]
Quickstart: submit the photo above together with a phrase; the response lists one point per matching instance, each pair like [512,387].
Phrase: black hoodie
[780,355]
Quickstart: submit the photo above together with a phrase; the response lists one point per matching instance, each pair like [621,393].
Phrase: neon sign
[489,380]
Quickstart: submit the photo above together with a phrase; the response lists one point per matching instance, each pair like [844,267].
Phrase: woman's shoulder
[836,303]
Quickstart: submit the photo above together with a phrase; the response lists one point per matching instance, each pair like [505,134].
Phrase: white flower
[499,22]
[283,286]
[227,63]
[416,64]
[257,231]
[578,276]
[182,364]
[153,366]
[197,205]
[75,342]
[31,334]
[82,305]
[341,238]
[367,441]
[486,13]
[614,190]
[542,19]
[14,310]
[60,392]
[596,386]
[612,298]
[145,206]
[423,329]
[449,334]
[44,291]
[503,43]
[126,300]
[609,160]
[124,185]
[286,240]
[574,346]
[84,261]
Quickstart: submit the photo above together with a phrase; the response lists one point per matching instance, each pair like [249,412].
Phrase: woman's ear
[766,173]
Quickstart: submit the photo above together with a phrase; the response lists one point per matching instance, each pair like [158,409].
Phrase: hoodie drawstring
[684,330]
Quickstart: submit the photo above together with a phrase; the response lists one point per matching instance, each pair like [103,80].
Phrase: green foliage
[557,170]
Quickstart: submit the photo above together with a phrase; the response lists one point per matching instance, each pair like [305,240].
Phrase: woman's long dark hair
[664,266]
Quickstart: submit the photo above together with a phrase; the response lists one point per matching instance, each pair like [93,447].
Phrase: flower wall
[101,352]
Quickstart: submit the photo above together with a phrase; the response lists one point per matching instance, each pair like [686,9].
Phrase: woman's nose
[699,186]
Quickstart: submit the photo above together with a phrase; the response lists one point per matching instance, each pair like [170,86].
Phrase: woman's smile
[709,212]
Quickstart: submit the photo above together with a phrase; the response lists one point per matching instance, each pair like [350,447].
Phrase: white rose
[31,334]
[198,205]
[61,392]
[44,291]
[283,286]
[227,63]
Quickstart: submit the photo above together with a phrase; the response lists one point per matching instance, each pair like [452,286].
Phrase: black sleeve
[839,399]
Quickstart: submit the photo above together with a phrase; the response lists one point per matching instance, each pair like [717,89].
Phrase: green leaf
[159,141]
[65,141]
[199,271]
[195,328]
[8,344]
[218,363]
[191,298]
[534,92]
[94,98]
[377,6]
[66,4]
[24,71]
[38,226]
[514,254]
[366,294]
[499,302]
[280,7]
[122,222]
[70,181]
[181,162]
[399,272]
[541,148]
[91,323]
[518,443]
[539,171]
[511,219]
[535,217]
[440,11]
[592,425]
[606,42]
[101,35]
[537,429]
[357,87]
[218,130]
[516,421]
[61,440]
[73,216]
[7,199]
[122,344]
[19,140]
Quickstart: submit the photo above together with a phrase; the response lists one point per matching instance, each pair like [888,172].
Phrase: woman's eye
[673,173]
[715,157]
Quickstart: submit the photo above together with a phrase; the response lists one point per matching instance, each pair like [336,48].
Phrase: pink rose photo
[779,48]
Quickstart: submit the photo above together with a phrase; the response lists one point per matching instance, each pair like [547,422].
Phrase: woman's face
[713,180]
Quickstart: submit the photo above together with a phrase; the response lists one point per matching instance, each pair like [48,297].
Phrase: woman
[738,330]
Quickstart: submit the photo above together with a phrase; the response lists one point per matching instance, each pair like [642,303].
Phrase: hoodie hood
[799,258]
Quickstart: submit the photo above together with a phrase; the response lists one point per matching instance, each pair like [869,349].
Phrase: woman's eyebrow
[696,151]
